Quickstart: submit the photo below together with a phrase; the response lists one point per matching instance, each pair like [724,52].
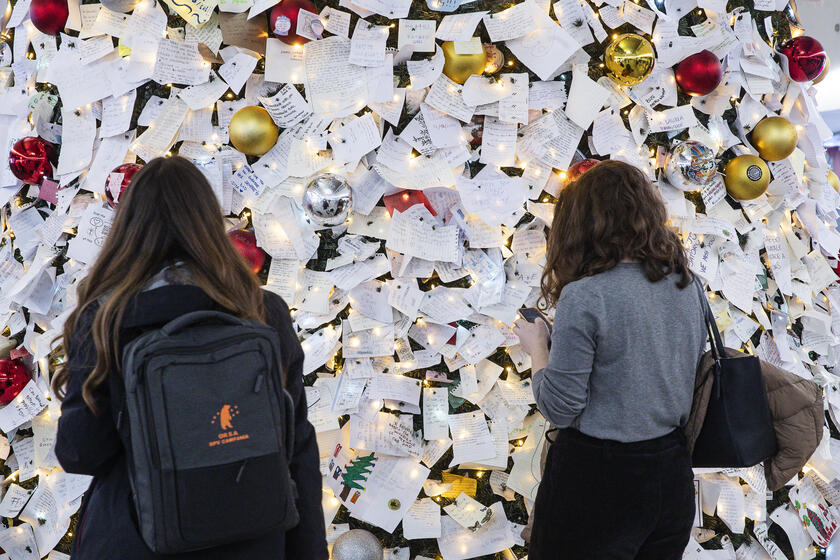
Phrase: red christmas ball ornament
[246,243]
[402,201]
[283,20]
[128,170]
[577,169]
[49,16]
[700,73]
[803,58]
[32,158]
[14,376]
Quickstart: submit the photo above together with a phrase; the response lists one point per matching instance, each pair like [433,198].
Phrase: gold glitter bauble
[459,67]
[629,59]
[747,177]
[774,138]
[252,131]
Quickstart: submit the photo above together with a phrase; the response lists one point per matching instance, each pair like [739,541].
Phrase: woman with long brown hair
[618,379]
[165,255]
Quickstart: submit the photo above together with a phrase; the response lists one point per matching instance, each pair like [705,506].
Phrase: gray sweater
[623,356]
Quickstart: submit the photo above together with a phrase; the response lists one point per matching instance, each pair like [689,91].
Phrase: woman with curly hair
[618,380]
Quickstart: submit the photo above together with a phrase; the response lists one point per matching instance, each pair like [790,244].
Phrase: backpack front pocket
[243,492]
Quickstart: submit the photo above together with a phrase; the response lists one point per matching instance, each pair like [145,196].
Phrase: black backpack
[209,432]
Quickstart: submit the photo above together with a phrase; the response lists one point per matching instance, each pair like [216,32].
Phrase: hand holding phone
[531,314]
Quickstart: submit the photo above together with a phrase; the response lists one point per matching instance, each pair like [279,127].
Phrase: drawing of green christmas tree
[356,472]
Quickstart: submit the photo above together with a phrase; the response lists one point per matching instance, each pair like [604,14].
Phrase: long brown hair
[609,214]
[168,213]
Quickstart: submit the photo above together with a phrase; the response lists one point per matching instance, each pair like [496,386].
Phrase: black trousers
[607,500]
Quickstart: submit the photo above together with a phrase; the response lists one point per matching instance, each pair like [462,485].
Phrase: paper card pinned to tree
[514,22]
[47,514]
[678,118]
[14,500]
[328,70]
[545,48]
[93,229]
[800,541]
[460,484]
[240,31]
[195,12]
[469,513]
[377,489]
[422,521]
[443,5]
[813,511]
[571,15]
[434,450]
[417,32]
[457,543]
[19,542]
[319,347]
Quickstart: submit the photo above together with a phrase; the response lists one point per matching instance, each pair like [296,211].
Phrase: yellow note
[460,484]
[723,319]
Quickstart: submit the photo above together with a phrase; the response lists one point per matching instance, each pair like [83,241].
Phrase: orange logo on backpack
[228,434]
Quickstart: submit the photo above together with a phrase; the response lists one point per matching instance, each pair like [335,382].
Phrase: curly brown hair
[611,213]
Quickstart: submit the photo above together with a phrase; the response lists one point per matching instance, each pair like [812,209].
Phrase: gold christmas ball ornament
[833,180]
[459,67]
[252,131]
[746,177]
[774,138]
[629,59]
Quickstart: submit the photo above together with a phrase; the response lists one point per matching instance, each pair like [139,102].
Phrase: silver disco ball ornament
[328,201]
[357,544]
[123,6]
[690,166]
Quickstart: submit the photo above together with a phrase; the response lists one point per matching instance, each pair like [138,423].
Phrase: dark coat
[89,444]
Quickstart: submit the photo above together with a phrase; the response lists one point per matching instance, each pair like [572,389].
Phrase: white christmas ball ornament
[357,544]
[328,201]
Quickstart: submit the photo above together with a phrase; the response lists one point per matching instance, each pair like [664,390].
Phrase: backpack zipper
[208,346]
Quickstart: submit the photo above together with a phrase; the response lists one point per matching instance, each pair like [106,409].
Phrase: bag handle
[715,340]
[189,319]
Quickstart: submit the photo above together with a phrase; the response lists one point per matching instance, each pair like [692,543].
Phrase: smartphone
[531,314]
